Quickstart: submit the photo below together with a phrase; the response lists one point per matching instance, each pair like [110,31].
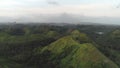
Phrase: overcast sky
[43,10]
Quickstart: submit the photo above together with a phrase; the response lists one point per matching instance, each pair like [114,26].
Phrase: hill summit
[68,52]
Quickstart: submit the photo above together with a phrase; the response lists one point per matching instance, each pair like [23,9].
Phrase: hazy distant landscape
[59,33]
[53,45]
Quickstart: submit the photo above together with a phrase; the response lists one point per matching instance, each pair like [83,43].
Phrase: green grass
[73,51]
[69,53]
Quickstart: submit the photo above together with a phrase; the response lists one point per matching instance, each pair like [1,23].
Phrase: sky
[101,11]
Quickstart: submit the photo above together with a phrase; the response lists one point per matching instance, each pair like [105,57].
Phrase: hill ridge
[69,53]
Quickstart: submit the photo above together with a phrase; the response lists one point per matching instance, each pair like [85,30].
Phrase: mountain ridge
[69,53]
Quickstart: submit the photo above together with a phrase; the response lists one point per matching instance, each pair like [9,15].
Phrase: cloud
[86,9]
[52,2]
[8,3]
[118,6]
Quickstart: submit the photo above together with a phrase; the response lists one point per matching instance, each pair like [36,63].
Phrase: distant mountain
[61,18]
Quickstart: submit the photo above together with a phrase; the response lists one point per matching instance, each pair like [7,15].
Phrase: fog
[60,11]
[62,18]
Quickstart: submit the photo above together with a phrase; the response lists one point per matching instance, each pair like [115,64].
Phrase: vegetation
[54,46]
[67,53]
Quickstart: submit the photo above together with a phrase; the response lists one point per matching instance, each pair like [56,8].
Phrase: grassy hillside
[48,46]
[69,53]
[110,46]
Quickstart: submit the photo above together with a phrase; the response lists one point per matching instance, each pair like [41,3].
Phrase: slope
[67,52]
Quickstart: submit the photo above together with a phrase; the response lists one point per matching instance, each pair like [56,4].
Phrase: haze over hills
[59,33]
[62,18]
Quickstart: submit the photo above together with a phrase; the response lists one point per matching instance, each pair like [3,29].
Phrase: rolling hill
[68,52]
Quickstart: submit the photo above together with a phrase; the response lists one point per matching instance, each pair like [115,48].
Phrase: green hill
[111,46]
[67,52]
